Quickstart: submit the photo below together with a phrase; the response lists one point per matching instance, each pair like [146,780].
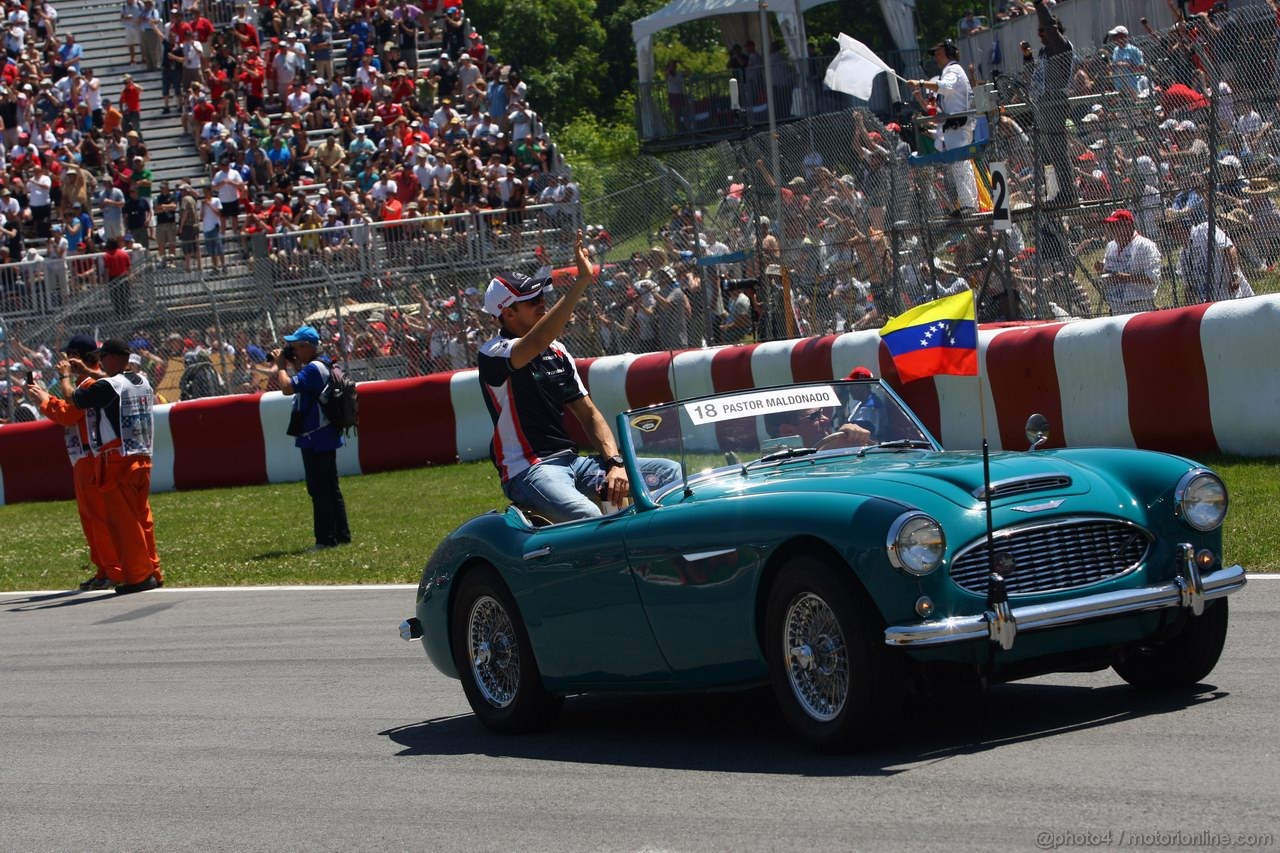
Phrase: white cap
[1120,30]
[508,288]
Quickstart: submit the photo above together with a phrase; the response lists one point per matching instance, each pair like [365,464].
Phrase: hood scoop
[1024,485]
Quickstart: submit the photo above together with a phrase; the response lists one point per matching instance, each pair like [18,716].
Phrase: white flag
[855,68]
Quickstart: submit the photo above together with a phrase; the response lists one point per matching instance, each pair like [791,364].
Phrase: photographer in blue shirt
[314,435]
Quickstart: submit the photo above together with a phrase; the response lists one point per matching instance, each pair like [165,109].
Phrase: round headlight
[1202,499]
[916,543]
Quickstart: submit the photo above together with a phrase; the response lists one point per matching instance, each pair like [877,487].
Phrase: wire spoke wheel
[493,651]
[817,659]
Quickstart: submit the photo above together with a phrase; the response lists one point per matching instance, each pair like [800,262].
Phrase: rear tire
[834,679]
[494,657]
[1184,660]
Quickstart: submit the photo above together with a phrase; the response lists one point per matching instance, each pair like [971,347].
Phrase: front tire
[494,657]
[832,675]
[1184,660]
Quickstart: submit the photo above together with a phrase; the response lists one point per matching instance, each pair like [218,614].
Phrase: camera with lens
[288,352]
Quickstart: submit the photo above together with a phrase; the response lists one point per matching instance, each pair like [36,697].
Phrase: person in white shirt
[298,100]
[384,189]
[468,73]
[523,121]
[38,187]
[131,14]
[442,116]
[955,95]
[211,226]
[1193,266]
[228,183]
[55,268]
[1130,267]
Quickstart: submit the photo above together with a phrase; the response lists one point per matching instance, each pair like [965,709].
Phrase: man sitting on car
[529,379]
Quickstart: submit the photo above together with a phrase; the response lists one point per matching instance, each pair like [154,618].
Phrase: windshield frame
[645,500]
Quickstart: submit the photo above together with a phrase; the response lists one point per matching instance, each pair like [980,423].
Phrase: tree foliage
[556,45]
[578,55]
[596,146]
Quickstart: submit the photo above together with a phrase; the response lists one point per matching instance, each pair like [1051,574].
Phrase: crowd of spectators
[332,118]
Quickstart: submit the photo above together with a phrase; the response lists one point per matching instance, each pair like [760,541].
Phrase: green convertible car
[822,540]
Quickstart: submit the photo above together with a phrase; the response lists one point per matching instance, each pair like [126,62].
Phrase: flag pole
[999,617]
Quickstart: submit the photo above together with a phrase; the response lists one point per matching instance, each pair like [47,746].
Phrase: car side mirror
[1037,430]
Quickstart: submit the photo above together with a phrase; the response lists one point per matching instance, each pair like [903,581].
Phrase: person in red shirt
[117,263]
[389,111]
[407,187]
[179,28]
[131,104]
[1181,100]
[246,35]
[253,79]
[218,85]
[203,27]
[401,87]
[477,49]
[203,113]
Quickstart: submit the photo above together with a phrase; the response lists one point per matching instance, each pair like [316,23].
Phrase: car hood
[955,476]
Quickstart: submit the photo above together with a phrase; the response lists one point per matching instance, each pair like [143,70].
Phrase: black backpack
[200,379]
[340,401]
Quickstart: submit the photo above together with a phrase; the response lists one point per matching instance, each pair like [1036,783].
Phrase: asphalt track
[297,720]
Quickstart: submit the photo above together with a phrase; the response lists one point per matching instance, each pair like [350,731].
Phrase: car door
[695,567]
[581,590]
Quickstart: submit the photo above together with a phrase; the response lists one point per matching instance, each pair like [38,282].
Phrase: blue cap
[304,333]
[256,352]
[80,345]
[140,343]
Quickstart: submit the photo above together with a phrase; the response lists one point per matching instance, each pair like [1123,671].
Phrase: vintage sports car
[822,540]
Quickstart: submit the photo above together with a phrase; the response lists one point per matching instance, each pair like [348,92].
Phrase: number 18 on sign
[1001,220]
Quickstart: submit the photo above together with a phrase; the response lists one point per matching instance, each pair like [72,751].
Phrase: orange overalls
[93,510]
[124,479]
[125,482]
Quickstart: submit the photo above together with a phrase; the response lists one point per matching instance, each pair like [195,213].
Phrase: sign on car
[760,403]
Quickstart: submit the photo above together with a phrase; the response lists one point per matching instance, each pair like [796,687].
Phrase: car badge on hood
[1053,504]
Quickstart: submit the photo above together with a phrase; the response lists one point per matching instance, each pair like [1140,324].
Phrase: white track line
[354,587]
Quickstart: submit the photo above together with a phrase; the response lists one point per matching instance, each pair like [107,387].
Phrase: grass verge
[260,534]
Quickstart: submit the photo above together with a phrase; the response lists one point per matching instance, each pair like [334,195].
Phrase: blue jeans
[562,487]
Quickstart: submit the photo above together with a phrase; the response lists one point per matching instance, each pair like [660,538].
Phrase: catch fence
[835,228]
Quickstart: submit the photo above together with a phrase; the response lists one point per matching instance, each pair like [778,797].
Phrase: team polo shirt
[527,405]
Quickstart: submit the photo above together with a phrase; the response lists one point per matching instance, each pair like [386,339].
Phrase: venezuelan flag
[939,337]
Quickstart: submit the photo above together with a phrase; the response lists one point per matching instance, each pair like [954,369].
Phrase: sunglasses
[816,417]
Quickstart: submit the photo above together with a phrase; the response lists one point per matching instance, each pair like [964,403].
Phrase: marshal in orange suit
[93,510]
[118,406]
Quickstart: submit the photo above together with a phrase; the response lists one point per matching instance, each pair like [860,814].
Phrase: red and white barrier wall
[1194,380]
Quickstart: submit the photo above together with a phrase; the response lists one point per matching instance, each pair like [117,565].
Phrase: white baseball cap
[508,288]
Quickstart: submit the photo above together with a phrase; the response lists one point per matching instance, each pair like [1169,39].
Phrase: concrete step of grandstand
[98,29]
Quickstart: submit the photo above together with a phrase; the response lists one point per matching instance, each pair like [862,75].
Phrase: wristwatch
[611,462]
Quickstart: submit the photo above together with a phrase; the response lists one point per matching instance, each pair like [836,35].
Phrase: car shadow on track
[744,732]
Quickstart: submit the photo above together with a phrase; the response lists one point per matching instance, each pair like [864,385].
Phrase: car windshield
[746,431]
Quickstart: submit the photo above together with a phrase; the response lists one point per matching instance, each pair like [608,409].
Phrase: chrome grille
[1059,555]
[1022,485]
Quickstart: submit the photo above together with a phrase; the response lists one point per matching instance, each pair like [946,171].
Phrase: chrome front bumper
[1002,625]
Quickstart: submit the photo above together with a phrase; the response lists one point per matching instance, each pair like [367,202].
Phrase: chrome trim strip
[707,555]
[959,629]
[537,552]
[980,491]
